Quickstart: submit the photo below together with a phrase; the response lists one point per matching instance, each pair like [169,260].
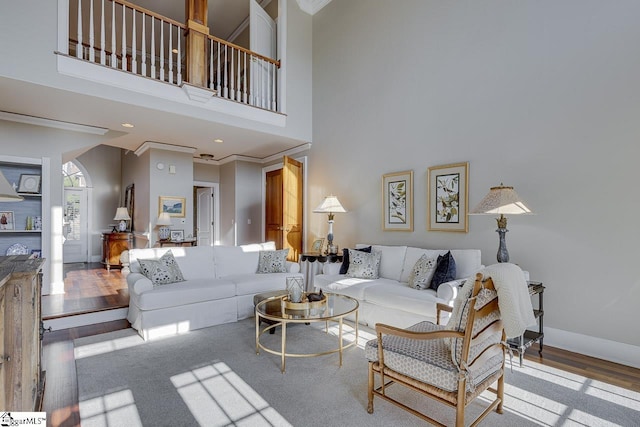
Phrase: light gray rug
[213,377]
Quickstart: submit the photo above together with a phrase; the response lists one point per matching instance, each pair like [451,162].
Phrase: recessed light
[218,140]
[127,125]
[174,50]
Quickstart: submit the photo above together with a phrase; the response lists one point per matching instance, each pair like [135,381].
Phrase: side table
[312,263]
[113,244]
[524,341]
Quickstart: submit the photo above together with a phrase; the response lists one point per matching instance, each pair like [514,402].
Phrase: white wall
[539,95]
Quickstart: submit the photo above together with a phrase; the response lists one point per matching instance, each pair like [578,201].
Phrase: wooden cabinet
[21,376]
[113,244]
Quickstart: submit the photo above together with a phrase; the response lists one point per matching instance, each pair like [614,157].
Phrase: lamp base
[122,226]
[164,233]
[503,254]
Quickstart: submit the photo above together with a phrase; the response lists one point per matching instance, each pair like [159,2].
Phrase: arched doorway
[75,219]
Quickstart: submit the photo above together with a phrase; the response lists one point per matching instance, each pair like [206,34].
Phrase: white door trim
[216,207]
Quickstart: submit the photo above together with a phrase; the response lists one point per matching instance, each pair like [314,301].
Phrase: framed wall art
[397,201]
[174,206]
[177,235]
[29,184]
[6,220]
[448,197]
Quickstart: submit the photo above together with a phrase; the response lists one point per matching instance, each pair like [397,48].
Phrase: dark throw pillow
[345,258]
[445,271]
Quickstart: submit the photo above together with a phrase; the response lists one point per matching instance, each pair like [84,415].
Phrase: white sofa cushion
[391,260]
[195,262]
[232,260]
[468,262]
[183,293]
[249,284]
[398,296]
[349,286]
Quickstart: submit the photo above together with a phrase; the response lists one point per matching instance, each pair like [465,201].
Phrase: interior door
[262,40]
[75,225]
[204,207]
[292,175]
[274,225]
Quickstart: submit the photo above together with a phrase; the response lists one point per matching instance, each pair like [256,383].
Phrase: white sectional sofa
[219,285]
[389,299]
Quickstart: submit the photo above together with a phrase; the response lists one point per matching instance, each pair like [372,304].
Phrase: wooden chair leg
[500,393]
[370,389]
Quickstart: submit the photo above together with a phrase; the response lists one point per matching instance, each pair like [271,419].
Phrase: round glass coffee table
[336,308]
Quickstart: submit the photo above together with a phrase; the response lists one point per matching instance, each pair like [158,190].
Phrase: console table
[312,263]
[185,242]
[526,340]
[113,244]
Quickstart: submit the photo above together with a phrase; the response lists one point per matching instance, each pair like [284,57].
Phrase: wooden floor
[61,390]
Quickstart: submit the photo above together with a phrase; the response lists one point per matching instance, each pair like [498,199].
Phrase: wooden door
[273,208]
[292,207]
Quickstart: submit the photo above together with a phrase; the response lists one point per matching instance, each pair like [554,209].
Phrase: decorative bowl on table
[305,304]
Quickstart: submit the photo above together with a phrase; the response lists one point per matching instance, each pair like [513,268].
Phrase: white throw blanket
[513,297]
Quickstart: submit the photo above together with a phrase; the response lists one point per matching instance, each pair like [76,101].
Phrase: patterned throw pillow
[345,258]
[273,261]
[363,265]
[445,271]
[420,277]
[162,271]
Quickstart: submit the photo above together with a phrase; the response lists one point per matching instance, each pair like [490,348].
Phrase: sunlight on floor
[107,346]
[113,409]
[217,396]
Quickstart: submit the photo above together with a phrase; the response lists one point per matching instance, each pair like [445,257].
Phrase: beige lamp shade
[122,214]
[7,193]
[330,205]
[164,219]
[501,200]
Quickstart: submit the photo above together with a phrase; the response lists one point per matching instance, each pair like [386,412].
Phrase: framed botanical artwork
[177,235]
[397,201]
[6,220]
[316,247]
[174,206]
[448,197]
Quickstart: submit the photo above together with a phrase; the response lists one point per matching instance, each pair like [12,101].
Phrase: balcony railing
[121,35]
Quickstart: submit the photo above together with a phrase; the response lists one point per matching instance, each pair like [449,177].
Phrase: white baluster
[244,82]
[224,83]
[92,53]
[162,50]
[211,82]
[179,59]
[124,37]
[153,47]
[79,32]
[170,52]
[274,105]
[134,59]
[218,70]
[143,41]
[114,58]
[238,79]
[232,92]
[103,59]
[252,88]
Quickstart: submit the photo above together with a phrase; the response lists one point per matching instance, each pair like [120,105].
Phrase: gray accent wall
[542,96]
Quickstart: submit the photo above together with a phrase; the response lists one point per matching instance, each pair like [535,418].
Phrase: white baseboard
[625,354]
[86,319]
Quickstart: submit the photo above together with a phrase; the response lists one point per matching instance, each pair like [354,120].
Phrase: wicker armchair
[452,364]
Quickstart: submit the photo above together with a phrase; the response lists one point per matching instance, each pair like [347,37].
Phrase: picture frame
[29,183]
[316,246]
[36,253]
[448,198]
[397,201]
[7,220]
[176,235]
[174,206]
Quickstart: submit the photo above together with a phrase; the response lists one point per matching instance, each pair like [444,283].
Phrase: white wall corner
[312,6]
[617,352]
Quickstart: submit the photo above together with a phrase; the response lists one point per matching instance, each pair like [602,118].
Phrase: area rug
[213,377]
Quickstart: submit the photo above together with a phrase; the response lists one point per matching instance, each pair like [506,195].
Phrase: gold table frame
[277,319]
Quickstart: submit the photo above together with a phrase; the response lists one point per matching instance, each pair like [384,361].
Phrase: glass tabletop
[336,306]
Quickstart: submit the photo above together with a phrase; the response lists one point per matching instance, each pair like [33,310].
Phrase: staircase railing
[121,35]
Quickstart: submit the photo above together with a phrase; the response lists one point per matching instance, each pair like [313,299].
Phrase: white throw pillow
[161,271]
[420,277]
[273,261]
[363,265]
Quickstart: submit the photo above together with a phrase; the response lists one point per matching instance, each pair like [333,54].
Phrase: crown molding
[238,157]
[244,24]
[160,146]
[39,121]
[312,6]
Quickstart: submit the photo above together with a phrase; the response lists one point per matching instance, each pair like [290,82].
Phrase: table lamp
[122,215]
[330,205]
[164,220]
[501,200]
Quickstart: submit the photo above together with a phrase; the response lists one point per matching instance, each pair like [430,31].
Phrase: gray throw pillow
[445,271]
[363,265]
[273,261]
[422,272]
[162,271]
